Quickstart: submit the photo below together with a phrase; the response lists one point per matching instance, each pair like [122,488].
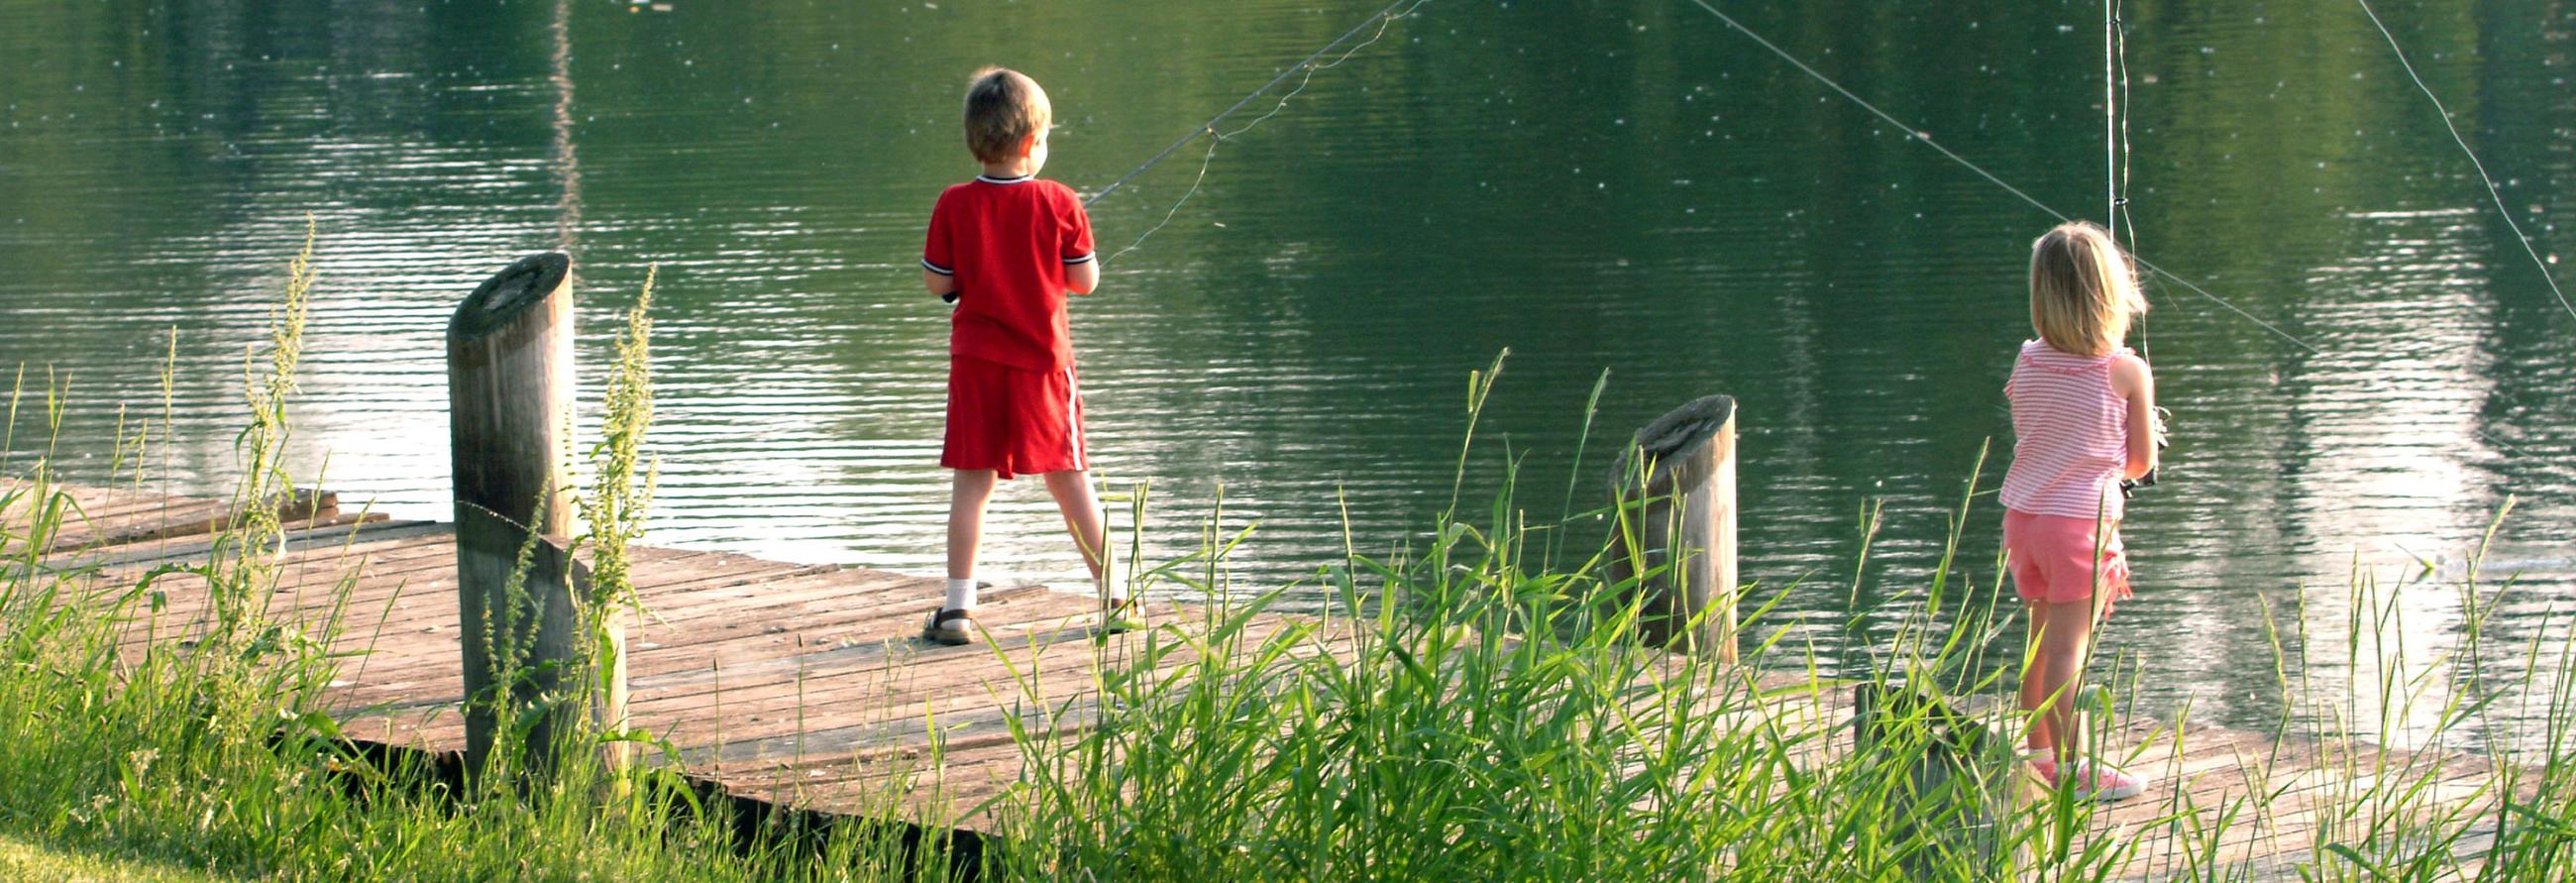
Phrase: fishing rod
[2111,107]
[1388,15]
[1384,19]
[2118,209]
[1925,138]
[2116,154]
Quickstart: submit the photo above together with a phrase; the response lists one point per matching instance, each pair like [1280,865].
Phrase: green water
[1622,187]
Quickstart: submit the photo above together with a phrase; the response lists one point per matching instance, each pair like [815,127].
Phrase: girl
[2082,408]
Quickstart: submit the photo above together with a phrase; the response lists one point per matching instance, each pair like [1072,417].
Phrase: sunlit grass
[1499,721]
[1476,708]
[22,859]
[216,750]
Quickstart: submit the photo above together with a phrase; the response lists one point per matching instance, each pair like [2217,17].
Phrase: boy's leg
[968,492]
[1089,526]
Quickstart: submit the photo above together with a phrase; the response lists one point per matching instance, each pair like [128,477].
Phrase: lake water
[1626,187]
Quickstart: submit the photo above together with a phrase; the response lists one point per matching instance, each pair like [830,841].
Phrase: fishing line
[1926,139]
[1385,18]
[2507,214]
[1204,163]
[2110,122]
[2116,34]
[2116,154]
[2120,30]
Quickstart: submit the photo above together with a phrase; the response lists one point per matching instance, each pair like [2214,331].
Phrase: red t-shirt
[1008,241]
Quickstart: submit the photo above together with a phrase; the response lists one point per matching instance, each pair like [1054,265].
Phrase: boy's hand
[939,283]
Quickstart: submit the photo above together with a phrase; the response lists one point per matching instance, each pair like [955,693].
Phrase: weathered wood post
[1963,781]
[1677,482]
[509,391]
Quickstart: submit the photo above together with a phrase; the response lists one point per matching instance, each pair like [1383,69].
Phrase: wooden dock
[808,686]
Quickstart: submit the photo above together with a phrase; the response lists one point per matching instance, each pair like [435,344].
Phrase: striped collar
[2051,359]
[988,179]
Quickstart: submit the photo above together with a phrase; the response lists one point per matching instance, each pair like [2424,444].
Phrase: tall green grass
[216,750]
[1477,707]
[1489,714]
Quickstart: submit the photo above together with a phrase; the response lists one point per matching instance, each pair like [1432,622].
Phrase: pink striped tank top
[2071,434]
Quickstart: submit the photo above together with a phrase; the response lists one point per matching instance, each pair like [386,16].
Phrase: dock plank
[808,684]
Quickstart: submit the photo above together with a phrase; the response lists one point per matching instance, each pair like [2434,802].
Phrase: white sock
[1117,591]
[961,595]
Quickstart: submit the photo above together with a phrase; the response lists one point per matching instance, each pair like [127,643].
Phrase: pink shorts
[2051,557]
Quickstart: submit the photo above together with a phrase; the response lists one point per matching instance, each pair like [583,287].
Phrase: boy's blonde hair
[1003,108]
[2083,291]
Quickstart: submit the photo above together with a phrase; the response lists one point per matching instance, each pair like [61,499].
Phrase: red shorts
[2052,558]
[1012,420]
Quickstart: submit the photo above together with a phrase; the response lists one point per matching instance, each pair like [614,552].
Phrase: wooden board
[809,685]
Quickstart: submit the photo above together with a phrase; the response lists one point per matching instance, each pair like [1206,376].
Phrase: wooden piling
[736,637]
[1962,784]
[510,390]
[1677,482]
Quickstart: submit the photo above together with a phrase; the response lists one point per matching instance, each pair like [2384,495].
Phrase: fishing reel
[2159,418]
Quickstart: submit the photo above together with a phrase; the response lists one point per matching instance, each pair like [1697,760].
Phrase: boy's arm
[2136,384]
[1083,277]
[938,255]
[1081,264]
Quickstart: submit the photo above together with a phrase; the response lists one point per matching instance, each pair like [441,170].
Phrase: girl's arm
[2135,384]
[938,283]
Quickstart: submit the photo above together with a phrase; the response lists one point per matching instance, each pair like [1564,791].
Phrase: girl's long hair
[2083,290]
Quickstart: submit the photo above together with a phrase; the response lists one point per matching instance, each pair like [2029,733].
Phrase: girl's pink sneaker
[2098,782]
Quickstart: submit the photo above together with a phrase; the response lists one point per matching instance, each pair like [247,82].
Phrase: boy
[1006,248]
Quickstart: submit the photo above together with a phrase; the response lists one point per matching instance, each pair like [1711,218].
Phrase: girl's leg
[2035,679]
[2065,640]
[968,492]
[1083,519]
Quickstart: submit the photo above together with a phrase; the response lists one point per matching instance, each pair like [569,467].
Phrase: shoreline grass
[21,859]
[1474,707]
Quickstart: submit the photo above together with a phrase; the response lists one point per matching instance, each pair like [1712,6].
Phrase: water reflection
[1596,186]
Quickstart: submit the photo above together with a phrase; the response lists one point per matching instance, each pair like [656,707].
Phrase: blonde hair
[2083,290]
[1003,108]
